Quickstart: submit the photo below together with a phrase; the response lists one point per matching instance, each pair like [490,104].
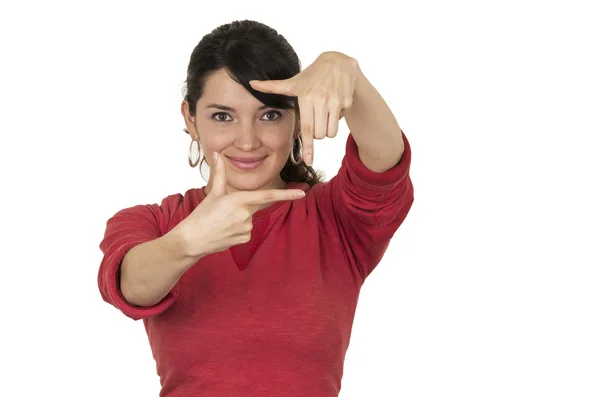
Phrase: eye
[221,117]
[272,115]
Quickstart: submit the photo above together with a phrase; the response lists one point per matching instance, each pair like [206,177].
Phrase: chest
[291,299]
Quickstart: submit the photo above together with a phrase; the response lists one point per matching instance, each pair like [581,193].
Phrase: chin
[247,183]
[252,180]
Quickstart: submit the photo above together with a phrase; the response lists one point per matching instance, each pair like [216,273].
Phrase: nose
[247,138]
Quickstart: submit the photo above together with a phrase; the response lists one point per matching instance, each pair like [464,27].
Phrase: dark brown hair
[249,50]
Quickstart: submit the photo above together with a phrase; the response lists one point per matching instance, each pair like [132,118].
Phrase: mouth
[247,163]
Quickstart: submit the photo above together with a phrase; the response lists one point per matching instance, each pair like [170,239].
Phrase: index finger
[307,127]
[259,197]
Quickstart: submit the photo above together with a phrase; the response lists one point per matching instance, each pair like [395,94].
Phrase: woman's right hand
[223,220]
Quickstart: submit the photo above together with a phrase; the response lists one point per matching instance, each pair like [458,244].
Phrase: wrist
[183,252]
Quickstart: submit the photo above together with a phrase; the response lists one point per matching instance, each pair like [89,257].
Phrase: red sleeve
[124,230]
[368,207]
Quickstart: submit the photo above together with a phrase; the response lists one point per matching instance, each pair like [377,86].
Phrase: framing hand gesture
[324,89]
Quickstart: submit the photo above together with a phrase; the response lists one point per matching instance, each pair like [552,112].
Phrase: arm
[373,127]
[365,208]
[150,270]
[140,267]
[369,198]
[333,87]
[373,193]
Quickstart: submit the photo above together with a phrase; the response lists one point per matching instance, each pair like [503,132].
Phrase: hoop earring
[195,162]
[292,158]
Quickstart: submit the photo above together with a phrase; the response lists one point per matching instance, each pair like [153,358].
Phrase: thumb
[283,87]
[219,178]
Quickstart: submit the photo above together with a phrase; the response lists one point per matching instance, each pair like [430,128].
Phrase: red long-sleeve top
[271,317]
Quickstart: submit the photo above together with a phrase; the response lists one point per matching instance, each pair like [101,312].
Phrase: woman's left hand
[325,90]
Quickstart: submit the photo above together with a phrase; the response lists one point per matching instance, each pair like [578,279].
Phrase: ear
[189,120]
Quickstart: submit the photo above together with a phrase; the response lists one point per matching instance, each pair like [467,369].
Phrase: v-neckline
[242,254]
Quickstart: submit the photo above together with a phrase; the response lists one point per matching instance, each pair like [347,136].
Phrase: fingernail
[309,159]
[215,157]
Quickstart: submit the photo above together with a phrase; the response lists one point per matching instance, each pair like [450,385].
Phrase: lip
[247,163]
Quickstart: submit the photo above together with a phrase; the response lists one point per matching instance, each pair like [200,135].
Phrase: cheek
[282,143]
[279,146]
[278,139]
[214,140]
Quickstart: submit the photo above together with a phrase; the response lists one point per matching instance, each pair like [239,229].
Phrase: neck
[274,184]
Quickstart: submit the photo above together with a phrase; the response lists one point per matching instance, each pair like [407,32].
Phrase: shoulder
[162,214]
[177,206]
[181,200]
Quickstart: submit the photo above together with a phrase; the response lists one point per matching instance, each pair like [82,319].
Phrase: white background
[491,286]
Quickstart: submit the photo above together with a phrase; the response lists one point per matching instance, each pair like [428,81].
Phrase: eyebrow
[230,109]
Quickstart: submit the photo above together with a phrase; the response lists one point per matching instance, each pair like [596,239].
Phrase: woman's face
[253,140]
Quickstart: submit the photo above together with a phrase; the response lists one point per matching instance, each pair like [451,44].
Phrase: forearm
[374,127]
[150,270]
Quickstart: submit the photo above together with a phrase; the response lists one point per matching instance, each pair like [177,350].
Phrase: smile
[247,163]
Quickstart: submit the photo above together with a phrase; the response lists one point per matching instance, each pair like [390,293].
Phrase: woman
[248,286]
